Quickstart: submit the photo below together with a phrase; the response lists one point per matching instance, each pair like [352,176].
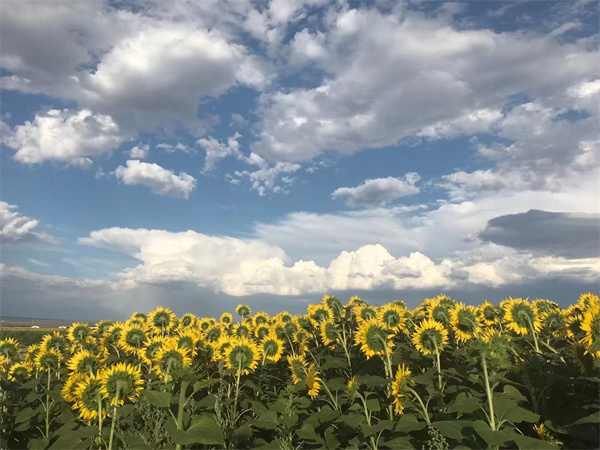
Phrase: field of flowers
[522,374]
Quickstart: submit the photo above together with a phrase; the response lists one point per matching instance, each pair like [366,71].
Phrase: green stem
[535,342]
[368,417]
[48,405]
[333,400]
[237,389]
[99,397]
[114,419]
[488,392]
[418,397]
[439,367]
[182,390]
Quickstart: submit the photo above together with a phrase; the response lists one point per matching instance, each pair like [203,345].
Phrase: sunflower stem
[47,435]
[237,389]
[424,409]
[488,392]
[114,419]
[99,398]
[182,390]
[535,342]
[439,367]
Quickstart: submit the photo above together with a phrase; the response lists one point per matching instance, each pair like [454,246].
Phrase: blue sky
[196,156]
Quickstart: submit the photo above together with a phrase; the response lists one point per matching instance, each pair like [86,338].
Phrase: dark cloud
[550,233]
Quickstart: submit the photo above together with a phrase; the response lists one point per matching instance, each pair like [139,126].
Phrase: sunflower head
[392,316]
[440,310]
[68,389]
[188,320]
[161,319]
[85,362]
[496,348]
[400,304]
[187,338]
[56,341]
[352,387]
[205,323]
[554,324]
[573,318]
[300,336]
[214,333]
[242,356]
[521,316]
[32,352]
[430,337]
[9,347]
[132,338]
[243,310]
[334,304]
[19,372]
[319,313]
[242,330]
[219,348]
[121,379]
[365,312]
[87,392]
[260,318]
[313,381]
[48,359]
[304,322]
[261,331]
[79,333]
[297,367]
[171,361]
[355,301]
[546,435]
[489,314]
[588,300]
[373,338]
[271,347]
[465,322]
[226,318]
[591,326]
[102,327]
[284,317]
[544,306]
[399,385]
[330,335]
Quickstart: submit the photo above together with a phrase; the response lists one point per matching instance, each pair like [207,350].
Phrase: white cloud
[216,150]
[139,152]
[170,148]
[15,227]
[379,191]
[160,180]
[71,137]
[267,178]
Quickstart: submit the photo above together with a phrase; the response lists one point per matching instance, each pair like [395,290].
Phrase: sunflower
[3,364]
[32,351]
[392,316]
[48,359]
[87,393]
[329,333]
[284,316]
[355,301]
[521,316]
[260,318]
[68,389]
[588,300]
[364,313]
[121,381]
[214,333]
[101,328]
[553,323]
[148,351]
[161,319]
[242,356]
[489,314]
[205,323]
[169,360]
[313,381]
[373,338]
[219,348]
[187,338]
[278,328]
[141,316]
[300,336]
[319,313]
[19,372]
[9,347]
[440,310]
[545,306]
[54,341]
[261,331]
[242,330]
[464,322]
[297,367]
[79,333]
[271,347]
[188,320]
[85,362]
[243,310]
[399,388]
[591,326]
[573,318]
[334,304]
[226,318]
[352,387]
[429,337]
[132,338]
[303,322]
[545,435]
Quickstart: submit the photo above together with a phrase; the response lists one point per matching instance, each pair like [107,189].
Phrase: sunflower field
[521,374]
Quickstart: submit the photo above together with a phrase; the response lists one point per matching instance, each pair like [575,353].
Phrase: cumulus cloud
[216,150]
[160,180]
[70,137]
[139,152]
[15,227]
[567,235]
[379,191]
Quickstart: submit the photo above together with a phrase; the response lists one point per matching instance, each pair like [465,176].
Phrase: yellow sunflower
[393,316]
[226,318]
[284,316]
[355,301]
[399,388]
[352,387]
[260,318]
[79,333]
[19,372]
[151,346]
[188,320]
[521,316]
[297,367]
[260,331]
[120,382]
[588,300]
[85,362]
[205,323]
[241,330]
[591,326]
[132,338]
[32,351]
[271,347]
[9,347]
[87,394]
[465,322]
[429,335]
[169,360]
[55,341]
[219,348]
[365,312]
[68,389]
[573,318]
[101,328]
[489,314]
[188,338]
[319,313]
[48,360]
[243,310]
[161,320]
[242,356]
[313,381]
[334,304]
[440,310]
[214,333]
[373,338]
[330,334]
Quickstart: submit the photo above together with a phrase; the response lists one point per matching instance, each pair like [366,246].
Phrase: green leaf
[26,414]
[266,421]
[398,443]
[326,414]
[134,442]
[592,418]
[507,408]
[38,444]
[258,408]
[464,404]
[330,440]
[198,385]
[529,443]
[408,423]
[207,402]
[307,432]
[373,381]
[333,362]
[158,398]
[352,420]
[290,420]
[492,438]
[336,384]
[453,428]
[126,410]
[513,392]
[373,405]
[203,430]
